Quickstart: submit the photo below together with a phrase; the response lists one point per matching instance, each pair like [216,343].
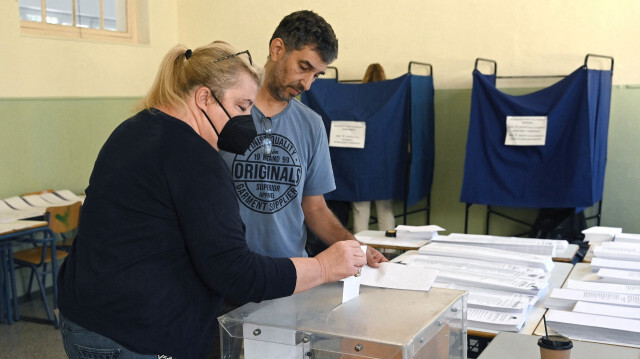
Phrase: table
[505,345]
[9,232]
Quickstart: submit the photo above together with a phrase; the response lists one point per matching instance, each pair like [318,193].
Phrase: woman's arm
[341,260]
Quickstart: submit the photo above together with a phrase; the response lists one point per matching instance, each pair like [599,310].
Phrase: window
[92,19]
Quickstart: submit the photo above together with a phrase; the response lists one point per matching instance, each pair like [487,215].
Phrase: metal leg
[12,276]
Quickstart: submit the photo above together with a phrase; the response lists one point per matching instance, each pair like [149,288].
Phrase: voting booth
[379,323]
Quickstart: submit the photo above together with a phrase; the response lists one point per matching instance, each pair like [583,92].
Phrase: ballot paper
[592,327]
[498,301]
[8,213]
[36,201]
[351,286]
[545,247]
[603,287]
[598,263]
[508,284]
[377,238]
[607,309]
[417,232]
[622,251]
[619,276]
[492,320]
[55,199]
[600,234]
[477,267]
[566,299]
[17,203]
[487,254]
[627,237]
[398,276]
[69,196]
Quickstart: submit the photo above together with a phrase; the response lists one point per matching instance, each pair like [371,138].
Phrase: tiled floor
[29,338]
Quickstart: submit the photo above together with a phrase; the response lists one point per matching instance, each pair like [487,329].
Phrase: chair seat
[34,255]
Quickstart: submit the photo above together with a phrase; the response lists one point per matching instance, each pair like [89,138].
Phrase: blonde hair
[183,70]
[374,73]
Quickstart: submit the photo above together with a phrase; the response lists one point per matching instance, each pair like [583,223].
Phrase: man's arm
[328,228]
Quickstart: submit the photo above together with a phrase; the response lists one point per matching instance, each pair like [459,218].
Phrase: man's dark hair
[305,27]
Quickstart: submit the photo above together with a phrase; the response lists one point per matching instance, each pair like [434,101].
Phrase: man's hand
[374,258]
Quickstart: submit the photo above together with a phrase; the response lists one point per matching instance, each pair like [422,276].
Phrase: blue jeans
[80,343]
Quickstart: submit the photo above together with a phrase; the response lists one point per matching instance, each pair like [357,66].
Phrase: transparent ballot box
[379,323]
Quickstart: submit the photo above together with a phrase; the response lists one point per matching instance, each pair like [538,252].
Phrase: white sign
[347,134]
[526,131]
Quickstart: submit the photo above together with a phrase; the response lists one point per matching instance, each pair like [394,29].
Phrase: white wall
[525,37]
[35,66]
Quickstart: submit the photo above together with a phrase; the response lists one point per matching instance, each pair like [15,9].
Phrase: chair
[61,220]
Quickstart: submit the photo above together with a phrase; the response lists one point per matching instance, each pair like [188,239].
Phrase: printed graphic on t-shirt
[267,183]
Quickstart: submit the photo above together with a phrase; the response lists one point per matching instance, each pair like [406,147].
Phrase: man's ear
[276,49]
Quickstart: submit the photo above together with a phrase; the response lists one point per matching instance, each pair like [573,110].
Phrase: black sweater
[161,243]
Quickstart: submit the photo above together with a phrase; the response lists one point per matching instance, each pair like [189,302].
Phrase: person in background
[161,241]
[384,208]
[280,180]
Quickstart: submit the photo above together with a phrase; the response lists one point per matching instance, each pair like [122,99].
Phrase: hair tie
[188,54]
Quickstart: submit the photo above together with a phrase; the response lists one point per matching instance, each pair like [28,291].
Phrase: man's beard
[278,89]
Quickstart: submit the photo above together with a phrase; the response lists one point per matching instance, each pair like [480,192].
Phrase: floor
[30,337]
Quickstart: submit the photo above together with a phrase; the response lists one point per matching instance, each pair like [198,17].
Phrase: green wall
[53,143]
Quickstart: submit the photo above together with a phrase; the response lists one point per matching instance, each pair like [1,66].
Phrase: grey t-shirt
[270,188]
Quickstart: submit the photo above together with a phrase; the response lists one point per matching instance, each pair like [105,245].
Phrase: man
[281,179]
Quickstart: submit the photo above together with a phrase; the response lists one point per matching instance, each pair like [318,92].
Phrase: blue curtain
[567,172]
[379,170]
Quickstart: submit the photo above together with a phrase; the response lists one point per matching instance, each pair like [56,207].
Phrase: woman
[160,241]
[384,207]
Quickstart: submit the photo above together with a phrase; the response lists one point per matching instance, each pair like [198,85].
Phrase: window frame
[43,28]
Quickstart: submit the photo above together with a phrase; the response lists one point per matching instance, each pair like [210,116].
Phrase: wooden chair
[61,220]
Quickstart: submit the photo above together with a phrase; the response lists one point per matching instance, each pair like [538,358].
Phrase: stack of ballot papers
[417,232]
[545,247]
[617,262]
[503,285]
[32,206]
[627,237]
[596,310]
[594,327]
[487,254]
[599,234]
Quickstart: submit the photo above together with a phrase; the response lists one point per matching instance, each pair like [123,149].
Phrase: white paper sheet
[351,285]
[598,263]
[593,327]
[575,295]
[619,276]
[607,309]
[478,267]
[603,287]
[349,134]
[398,276]
[488,254]
[492,320]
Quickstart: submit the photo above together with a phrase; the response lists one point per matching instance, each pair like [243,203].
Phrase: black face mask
[236,136]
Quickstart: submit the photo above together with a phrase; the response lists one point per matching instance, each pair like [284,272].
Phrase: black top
[161,242]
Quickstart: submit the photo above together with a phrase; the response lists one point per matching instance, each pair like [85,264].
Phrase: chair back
[63,219]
